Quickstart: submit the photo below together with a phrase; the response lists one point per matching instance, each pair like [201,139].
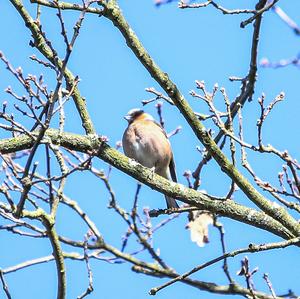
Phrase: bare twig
[5,286]
[251,249]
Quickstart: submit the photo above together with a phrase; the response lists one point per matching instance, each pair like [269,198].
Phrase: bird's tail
[171,202]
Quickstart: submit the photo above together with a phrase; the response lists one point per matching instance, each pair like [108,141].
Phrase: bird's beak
[127,117]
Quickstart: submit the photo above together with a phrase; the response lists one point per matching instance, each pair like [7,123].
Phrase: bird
[145,141]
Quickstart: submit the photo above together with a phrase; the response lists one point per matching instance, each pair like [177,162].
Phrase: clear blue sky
[199,44]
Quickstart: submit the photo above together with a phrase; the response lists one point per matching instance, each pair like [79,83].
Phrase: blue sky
[198,44]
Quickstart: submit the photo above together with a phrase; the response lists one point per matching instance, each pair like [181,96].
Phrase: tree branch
[94,146]
[41,45]
[113,12]
[252,248]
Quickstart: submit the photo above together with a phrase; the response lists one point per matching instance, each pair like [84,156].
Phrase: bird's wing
[160,126]
[173,170]
[172,167]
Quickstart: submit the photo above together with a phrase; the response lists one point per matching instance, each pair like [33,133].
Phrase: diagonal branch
[252,248]
[41,45]
[90,145]
[113,12]
[145,268]
[4,285]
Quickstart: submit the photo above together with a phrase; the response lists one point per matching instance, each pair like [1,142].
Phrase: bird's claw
[151,174]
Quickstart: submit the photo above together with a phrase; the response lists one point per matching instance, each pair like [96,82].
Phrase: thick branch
[48,222]
[58,257]
[114,13]
[41,45]
[92,145]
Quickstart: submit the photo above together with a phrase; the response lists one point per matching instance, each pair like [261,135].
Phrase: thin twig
[251,249]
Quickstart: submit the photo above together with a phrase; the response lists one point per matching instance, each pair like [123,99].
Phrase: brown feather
[146,141]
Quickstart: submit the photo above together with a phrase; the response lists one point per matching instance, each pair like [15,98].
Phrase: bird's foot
[152,172]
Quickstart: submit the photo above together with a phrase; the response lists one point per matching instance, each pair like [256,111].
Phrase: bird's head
[137,113]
